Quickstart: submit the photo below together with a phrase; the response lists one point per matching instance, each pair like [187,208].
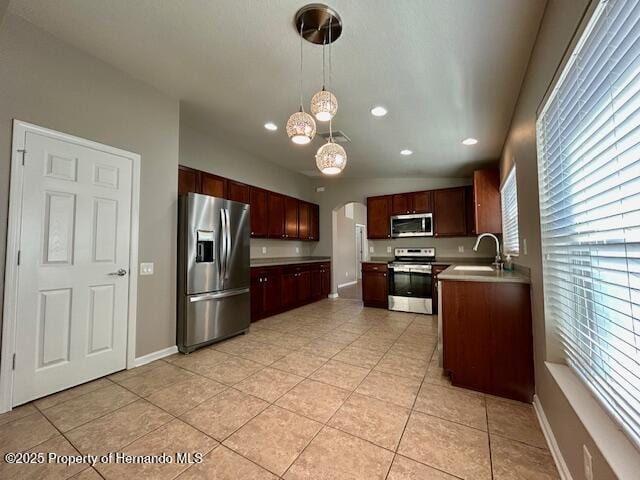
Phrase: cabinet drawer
[374,267]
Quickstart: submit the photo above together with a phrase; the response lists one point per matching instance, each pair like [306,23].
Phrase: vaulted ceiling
[444,69]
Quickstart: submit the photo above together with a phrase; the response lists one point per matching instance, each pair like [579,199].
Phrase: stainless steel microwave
[416,225]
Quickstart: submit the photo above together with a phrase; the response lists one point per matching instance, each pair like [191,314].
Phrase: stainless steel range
[410,281]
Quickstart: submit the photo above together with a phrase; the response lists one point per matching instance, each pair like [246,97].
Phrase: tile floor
[329,391]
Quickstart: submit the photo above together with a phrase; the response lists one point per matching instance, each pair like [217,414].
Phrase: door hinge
[13,367]
[23,152]
[19,257]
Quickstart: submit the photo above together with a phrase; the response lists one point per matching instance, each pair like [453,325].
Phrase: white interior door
[75,236]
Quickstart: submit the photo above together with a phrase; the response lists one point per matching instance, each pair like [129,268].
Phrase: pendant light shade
[331,158]
[324,105]
[301,127]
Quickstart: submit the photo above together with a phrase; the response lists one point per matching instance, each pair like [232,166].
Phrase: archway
[348,248]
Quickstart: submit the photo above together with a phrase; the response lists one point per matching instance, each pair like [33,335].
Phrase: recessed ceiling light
[271,126]
[378,111]
[406,152]
[469,141]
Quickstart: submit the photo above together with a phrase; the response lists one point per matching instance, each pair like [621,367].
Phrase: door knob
[120,273]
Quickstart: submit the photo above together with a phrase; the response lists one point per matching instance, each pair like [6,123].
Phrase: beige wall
[558,26]
[205,151]
[46,82]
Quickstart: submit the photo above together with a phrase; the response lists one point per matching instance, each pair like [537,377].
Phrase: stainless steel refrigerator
[213,270]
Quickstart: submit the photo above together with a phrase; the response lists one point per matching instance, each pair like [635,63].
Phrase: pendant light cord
[301,38]
[330,85]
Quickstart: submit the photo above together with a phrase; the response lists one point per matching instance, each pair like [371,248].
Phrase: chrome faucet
[498,260]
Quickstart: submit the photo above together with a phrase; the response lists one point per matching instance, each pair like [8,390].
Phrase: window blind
[588,136]
[509,196]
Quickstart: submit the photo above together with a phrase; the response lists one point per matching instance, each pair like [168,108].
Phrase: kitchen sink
[473,268]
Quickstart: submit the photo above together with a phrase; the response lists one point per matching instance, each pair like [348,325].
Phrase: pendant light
[324,104]
[331,158]
[301,127]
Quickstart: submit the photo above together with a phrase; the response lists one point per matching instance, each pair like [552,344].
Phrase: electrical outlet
[264,250]
[371,250]
[346,274]
[388,249]
[524,246]
[146,269]
[297,249]
[588,467]
[460,248]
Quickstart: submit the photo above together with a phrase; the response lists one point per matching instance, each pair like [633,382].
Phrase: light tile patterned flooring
[329,391]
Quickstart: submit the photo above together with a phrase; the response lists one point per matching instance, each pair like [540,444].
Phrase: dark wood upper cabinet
[188,180]
[304,220]
[290,218]
[401,204]
[486,198]
[213,185]
[238,192]
[469,206]
[422,202]
[259,212]
[314,222]
[272,215]
[378,213]
[450,216]
[276,215]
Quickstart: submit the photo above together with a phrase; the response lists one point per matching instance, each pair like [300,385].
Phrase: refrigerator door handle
[223,246]
[229,247]
[217,295]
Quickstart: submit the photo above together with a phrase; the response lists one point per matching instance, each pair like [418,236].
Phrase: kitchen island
[485,334]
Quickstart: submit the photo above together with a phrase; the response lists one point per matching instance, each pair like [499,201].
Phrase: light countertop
[276,261]
[494,276]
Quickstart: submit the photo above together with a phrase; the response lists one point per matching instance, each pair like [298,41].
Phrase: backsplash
[445,247]
[279,248]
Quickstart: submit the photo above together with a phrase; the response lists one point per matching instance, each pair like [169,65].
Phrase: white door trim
[10,308]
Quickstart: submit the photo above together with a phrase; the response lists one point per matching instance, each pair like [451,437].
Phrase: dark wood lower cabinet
[278,289]
[375,285]
[487,337]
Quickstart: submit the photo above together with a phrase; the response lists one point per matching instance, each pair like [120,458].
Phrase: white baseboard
[347,284]
[333,295]
[563,470]
[150,357]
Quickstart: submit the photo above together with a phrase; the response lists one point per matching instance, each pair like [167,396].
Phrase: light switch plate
[146,268]
[264,250]
[371,250]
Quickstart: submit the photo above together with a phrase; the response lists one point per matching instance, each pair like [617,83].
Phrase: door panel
[188,180]
[401,204]
[259,212]
[378,213]
[304,286]
[75,231]
[214,316]
[290,218]
[237,265]
[304,218]
[276,215]
[238,192]
[450,212]
[213,185]
[422,202]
